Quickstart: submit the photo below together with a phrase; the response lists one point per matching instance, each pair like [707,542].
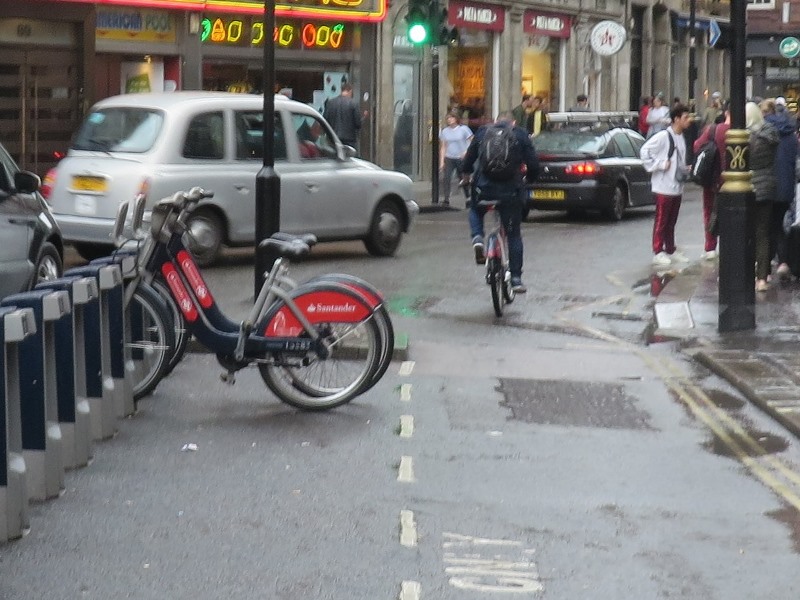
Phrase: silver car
[162,143]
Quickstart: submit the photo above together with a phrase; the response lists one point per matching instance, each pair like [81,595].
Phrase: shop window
[205,138]
[250,135]
[314,139]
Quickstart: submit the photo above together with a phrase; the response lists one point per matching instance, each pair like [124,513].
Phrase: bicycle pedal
[228,377]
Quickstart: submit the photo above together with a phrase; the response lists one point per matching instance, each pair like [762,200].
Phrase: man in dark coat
[785,158]
[344,116]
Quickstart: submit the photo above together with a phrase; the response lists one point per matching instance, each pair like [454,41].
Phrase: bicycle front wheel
[182,334]
[495,270]
[151,339]
[355,356]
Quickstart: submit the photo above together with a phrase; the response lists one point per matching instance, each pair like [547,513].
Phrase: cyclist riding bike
[497,158]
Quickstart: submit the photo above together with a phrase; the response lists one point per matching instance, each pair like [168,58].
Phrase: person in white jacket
[664,157]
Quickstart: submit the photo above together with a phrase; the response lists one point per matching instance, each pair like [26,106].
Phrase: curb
[741,384]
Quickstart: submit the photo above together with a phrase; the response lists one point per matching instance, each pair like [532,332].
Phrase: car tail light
[583,169]
[58,155]
[48,183]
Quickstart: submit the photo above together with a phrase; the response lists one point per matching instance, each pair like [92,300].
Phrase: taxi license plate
[83,183]
[548,194]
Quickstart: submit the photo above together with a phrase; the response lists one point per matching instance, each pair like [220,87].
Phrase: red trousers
[667,209]
[708,205]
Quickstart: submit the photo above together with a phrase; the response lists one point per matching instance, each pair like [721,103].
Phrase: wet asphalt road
[549,454]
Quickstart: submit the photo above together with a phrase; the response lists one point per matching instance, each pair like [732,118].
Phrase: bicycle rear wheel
[496,284]
[355,355]
[151,340]
[381,316]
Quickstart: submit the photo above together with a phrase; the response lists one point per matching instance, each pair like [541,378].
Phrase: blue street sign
[714,33]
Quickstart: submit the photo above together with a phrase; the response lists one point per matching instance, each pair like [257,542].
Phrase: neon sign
[340,10]
[229,31]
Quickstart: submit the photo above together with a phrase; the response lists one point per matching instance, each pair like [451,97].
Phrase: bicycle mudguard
[366,289]
[318,302]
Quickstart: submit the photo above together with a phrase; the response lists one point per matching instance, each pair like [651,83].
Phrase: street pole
[268,183]
[435,118]
[736,200]
[693,131]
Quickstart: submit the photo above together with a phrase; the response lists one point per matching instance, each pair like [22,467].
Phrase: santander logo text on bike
[331,308]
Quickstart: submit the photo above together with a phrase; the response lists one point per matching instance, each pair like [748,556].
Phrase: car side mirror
[26,182]
[349,152]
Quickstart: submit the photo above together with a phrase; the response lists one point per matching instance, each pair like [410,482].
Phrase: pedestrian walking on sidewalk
[658,117]
[344,116]
[664,157]
[763,146]
[710,191]
[785,159]
[453,142]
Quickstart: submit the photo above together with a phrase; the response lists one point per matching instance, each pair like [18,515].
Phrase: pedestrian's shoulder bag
[704,167]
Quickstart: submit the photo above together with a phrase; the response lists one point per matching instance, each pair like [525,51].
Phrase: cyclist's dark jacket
[524,153]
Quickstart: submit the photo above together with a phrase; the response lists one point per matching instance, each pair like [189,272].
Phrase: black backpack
[498,153]
[706,161]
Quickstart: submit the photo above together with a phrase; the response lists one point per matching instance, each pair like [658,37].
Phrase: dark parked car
[31,249]
[590,161]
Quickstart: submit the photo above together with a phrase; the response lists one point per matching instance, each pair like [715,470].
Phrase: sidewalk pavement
[763,364]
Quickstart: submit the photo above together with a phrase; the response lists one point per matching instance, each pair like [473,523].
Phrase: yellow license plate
[548,194]
[85,183]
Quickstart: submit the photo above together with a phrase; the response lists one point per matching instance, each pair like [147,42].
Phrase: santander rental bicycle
[317,345]
[498,274]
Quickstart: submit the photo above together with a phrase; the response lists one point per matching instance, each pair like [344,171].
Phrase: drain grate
[572,403]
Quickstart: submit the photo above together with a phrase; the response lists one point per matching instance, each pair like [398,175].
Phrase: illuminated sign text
[230,31]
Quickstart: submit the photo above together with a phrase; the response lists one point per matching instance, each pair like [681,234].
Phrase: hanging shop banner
[345,10]
[549,24]
[135,25]
[248,32]
[476,16]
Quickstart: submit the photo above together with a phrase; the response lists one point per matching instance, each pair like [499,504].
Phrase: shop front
[472,72]
[43,59]
[137,50]
[543,56]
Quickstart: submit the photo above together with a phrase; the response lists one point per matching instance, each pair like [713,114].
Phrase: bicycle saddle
[307,238]
[293,248]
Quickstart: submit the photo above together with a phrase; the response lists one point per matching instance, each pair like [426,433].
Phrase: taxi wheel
[386,230]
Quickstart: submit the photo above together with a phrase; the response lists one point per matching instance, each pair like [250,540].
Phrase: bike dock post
[15,326]
[122,366]
[105,400]
[70,350]
[41,434]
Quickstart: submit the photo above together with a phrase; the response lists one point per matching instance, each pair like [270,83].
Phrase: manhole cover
[578,403]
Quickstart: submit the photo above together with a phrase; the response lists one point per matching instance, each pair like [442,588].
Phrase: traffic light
[418,20]
[443,33]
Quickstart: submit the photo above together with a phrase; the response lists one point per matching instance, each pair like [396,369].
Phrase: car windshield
[119,130]
[569,141]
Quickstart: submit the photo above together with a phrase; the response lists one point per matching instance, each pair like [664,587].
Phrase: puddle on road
[724,400]
[410,306]
[766,444]
[790,517]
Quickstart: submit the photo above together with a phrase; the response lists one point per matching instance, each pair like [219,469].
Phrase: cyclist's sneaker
[518,286]
[477,247]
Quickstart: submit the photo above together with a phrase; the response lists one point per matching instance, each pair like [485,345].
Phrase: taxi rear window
[119,130]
